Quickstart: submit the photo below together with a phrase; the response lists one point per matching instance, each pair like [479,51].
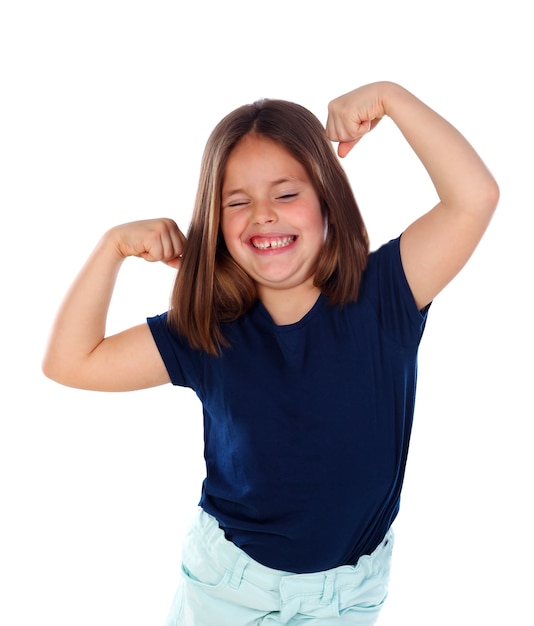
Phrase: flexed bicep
[79,354]
[437,245]
[126,361]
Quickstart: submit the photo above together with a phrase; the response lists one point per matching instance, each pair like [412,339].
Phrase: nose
[263,212]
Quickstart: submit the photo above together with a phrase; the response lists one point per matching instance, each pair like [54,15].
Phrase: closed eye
[287,196]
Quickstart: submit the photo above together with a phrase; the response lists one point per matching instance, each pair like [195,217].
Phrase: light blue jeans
[222,586]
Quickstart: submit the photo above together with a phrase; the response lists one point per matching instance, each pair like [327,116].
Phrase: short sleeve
[386,287]
[183,363]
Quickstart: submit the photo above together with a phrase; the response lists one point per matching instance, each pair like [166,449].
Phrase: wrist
[110,246]
[391,96]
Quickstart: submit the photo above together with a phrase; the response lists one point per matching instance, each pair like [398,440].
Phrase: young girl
[300,344]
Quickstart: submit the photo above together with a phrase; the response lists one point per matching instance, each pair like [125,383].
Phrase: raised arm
[437,245]
[78,353]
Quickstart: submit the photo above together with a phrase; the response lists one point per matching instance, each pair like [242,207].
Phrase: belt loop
[329,584]
[237,573]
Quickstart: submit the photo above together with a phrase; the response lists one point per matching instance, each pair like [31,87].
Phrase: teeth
[279,242]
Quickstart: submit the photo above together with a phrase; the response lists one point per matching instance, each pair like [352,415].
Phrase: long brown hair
[210,288]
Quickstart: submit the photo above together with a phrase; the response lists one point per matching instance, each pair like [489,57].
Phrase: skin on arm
[78,353]
[438,244]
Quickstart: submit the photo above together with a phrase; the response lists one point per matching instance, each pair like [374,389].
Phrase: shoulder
[384,264]
[385,287]
[183,362]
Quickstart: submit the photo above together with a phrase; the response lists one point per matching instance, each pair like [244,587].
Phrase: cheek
[225,228]
[230,233]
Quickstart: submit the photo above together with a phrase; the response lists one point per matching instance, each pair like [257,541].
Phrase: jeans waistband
[240,565]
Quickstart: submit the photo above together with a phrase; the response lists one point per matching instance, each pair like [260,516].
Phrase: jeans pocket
[366,598]
[204,575]
[369,590]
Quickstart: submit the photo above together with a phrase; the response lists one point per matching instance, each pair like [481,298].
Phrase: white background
[104,111]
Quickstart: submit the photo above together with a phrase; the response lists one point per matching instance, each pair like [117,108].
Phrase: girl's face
[271,220]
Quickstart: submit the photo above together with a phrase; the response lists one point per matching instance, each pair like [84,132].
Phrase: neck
[288,306]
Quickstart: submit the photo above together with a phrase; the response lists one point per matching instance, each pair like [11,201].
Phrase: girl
[300,344]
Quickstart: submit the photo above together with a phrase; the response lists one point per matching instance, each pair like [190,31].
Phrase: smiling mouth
[271,243]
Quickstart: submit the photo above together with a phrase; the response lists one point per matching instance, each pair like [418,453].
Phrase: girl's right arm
[79,354]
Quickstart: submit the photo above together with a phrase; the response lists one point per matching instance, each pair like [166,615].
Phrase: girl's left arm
[437,245]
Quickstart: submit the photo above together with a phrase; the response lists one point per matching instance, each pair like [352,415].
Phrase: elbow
[484,200]
[48,369]
[73,374]
[492,195]
[491,200]
[52,369]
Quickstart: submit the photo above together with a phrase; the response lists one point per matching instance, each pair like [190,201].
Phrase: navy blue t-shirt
[307,426]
